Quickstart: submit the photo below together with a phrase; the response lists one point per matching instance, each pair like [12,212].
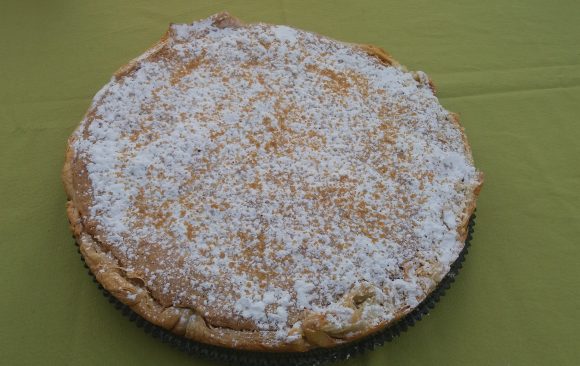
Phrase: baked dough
[261,187]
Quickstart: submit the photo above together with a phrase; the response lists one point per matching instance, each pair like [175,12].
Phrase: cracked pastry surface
[261,187]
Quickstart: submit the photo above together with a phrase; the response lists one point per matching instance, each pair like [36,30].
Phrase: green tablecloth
[510,68]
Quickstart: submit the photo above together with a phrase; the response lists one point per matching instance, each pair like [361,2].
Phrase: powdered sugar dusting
[260,173]
[285,34]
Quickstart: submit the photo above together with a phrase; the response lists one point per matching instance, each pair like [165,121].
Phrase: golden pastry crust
[311,329]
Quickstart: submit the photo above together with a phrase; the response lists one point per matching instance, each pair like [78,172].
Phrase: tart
[263,188]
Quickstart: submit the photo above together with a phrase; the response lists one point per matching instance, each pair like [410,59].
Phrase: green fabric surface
[510,68]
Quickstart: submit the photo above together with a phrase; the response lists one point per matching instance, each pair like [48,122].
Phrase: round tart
[260,187]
